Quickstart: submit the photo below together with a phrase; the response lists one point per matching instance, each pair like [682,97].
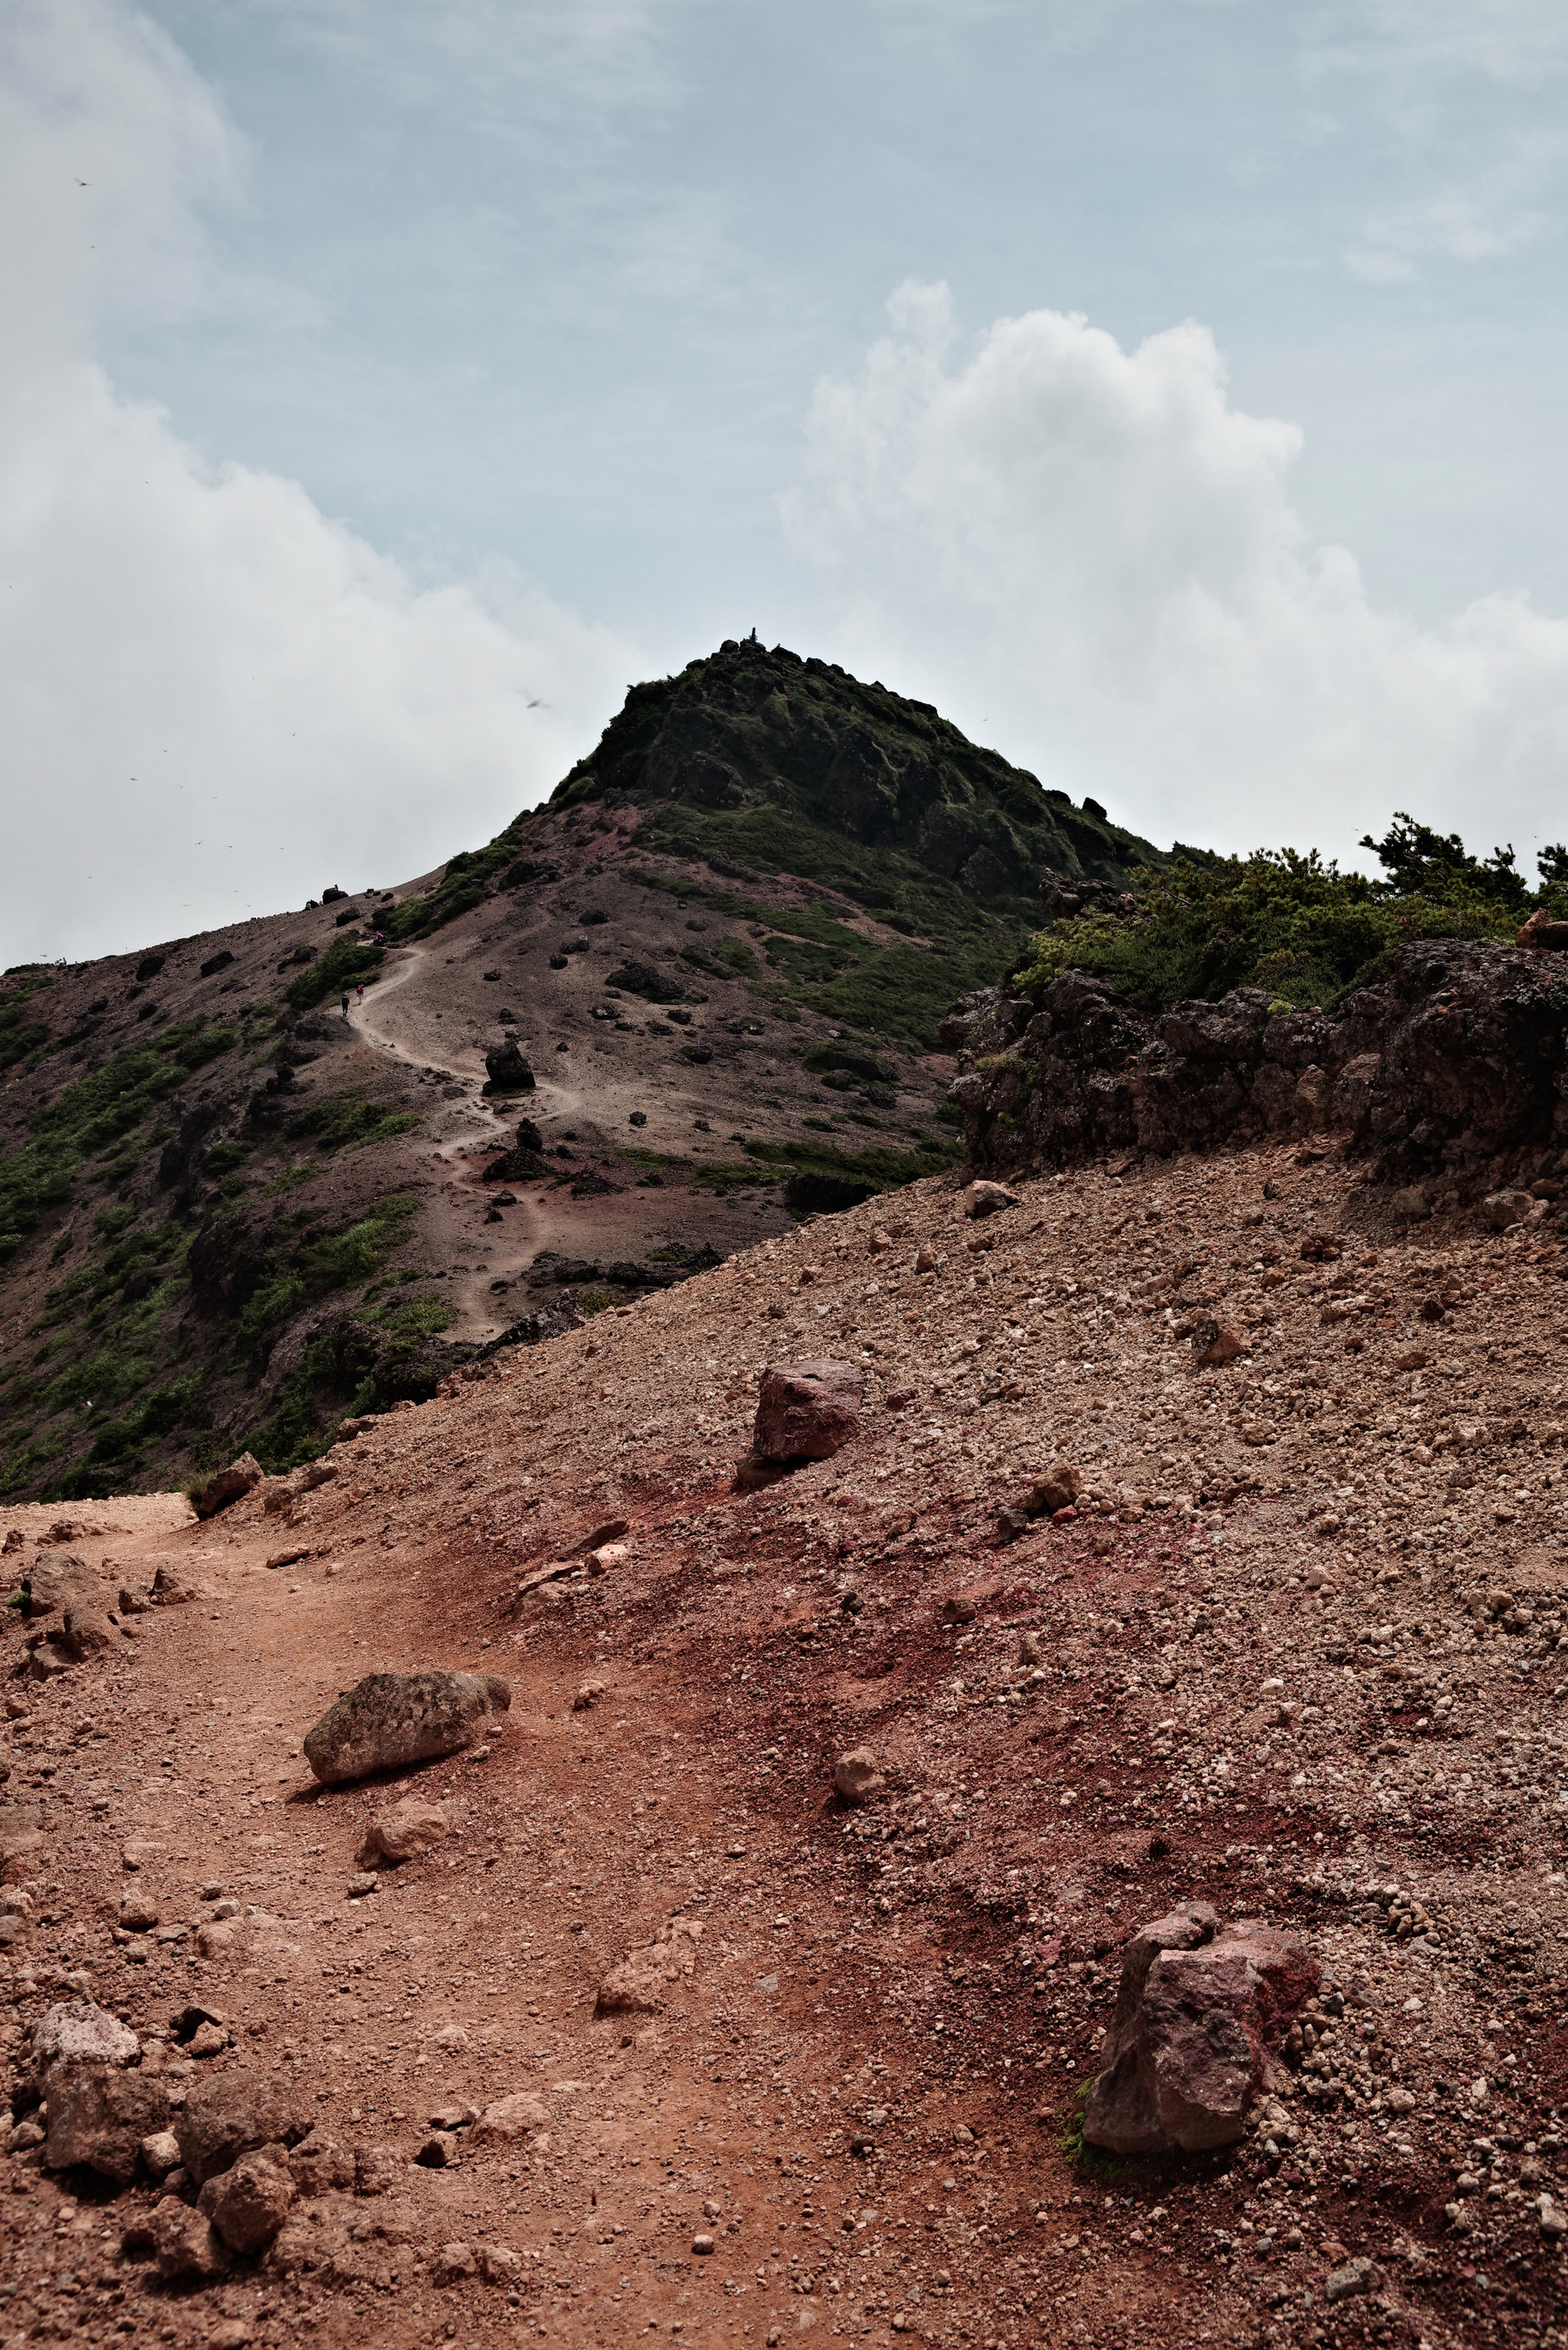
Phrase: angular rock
[403,1832]
[640,1984]
[184,2242]
[807,1412]
[318,2165]
[509,2118]
[438,2152]
[1502,1209]
[855,1776]
[1198,2013]
[390,1719]
[161,2153]
[170,1589]
[1058,1490]
[983,1199]
[1351,2278]
[230,2114]
[498,2264]
[98,2115]
[375,2169]
[231,1484]
[248,2203]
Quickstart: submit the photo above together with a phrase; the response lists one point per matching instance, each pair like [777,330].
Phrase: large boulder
[507,1069]
[229,2115]
[806,1412]
[230,1484]
[1198,2015]
[98,2115]
[390,1719]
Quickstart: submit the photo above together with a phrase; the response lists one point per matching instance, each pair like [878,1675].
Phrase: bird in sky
[84,184]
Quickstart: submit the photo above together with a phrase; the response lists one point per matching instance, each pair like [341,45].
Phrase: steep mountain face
[757,741]
[629,1036]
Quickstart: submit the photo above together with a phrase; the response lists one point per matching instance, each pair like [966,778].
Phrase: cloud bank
[218,699]
[1091,557]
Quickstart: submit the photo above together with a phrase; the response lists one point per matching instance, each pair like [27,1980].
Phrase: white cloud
[1089,557]
[217,699]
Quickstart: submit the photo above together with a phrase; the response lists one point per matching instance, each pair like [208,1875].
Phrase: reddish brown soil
[929,1976]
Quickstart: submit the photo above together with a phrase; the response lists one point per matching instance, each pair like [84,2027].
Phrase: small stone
[361,1885]
[1352,2277]
[453,2262]
[249,2202]
[439,2151]
[405,1831]
[231,2334]
[498,2264]
[161,2153]
[207,2040]
[855,1776]
[454,2117]
[1554,2219]
[1031,1650]
[702,2246]
[983,1199]
[139,1912]
[451,2035]
[1058,1490]
[318,2165]
[1502,1208]
[509,2118]
[184,2242]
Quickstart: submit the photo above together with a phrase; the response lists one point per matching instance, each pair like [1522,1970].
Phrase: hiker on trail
[361,990]
[345,1003]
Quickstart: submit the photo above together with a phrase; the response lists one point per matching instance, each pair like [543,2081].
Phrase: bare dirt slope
[1298,1654]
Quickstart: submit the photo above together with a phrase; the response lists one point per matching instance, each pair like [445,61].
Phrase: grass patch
[1091,2160]
[347,963]
[21,1031]
[347,1122]
[92,1118]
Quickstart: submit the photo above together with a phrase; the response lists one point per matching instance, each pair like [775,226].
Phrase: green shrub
[1292,924]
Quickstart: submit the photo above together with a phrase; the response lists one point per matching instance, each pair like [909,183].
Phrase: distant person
[345,1003]
[361,990]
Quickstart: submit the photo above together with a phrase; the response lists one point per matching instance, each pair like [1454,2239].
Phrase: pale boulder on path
[404,1832]
[231,1484]
[388,1720]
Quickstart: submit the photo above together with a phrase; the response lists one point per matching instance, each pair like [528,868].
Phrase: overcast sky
[1170,390]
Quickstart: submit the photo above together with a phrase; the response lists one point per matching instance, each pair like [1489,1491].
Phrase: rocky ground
[789,2063]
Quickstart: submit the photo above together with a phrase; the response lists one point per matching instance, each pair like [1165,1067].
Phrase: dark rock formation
[508,1071]
[1451,1077]
[747,728]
